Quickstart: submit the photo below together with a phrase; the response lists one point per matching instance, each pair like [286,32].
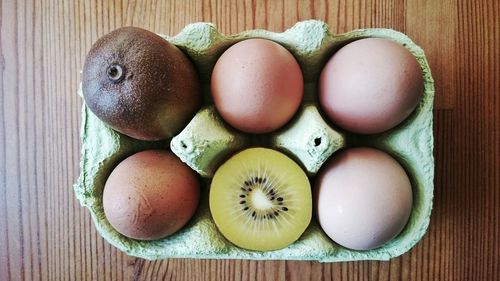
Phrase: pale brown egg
[363,198]
[257,85]
[150,195]
[370,86]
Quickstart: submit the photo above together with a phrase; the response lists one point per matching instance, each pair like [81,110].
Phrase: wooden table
[46,235]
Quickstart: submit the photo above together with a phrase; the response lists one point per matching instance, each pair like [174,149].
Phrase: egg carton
[308,138]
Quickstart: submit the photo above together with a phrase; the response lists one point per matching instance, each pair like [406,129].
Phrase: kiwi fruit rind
[261,200]
[140,84]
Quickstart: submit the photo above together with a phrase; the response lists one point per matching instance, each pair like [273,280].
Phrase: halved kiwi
[260,199]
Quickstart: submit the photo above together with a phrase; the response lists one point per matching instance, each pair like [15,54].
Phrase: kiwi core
[260,201]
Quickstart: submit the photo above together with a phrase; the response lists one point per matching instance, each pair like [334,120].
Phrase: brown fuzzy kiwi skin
[158,94]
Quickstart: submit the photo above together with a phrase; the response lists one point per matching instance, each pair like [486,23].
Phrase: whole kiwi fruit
[140,84]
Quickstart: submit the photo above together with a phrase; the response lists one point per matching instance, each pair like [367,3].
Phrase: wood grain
[46,235]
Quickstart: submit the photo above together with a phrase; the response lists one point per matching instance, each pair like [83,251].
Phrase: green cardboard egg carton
[309,139]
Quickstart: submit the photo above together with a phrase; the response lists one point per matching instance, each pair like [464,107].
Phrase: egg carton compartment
[308,138]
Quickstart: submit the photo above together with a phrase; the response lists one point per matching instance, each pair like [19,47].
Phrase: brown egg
[257,85]
[150,195]
[370,86]
[363,198]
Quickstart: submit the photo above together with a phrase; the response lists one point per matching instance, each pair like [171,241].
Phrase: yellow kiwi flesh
[260,199]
